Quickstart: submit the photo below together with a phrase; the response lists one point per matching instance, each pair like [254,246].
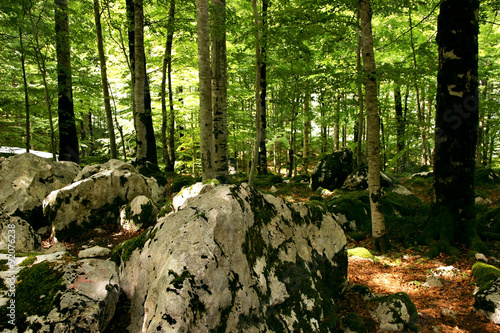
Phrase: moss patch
[360,252]
[3,265]
[36,292]
[29,260]
[355,206]
[354,323]
[123,251]
[484,274]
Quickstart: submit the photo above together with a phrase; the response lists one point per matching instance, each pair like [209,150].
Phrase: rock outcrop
[332,170]
[235,260]
[18,233]
[139,214]
[95,198]
[26,179]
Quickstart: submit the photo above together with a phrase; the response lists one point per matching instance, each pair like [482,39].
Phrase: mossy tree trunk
[373,128]
[68,139]
[452,217]
[205,82]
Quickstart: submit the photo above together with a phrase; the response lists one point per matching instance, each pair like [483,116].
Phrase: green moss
[355,206]
[36,292]
[123,251]
[360,252]
[3,265]
[354,323]
[484,274]
[28,261]
[181,181]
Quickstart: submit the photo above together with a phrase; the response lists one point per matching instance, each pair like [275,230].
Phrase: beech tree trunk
[262,166]
[307,132]
[373,128]
[205,78]
[400,128]
[68,139]
[168,118]
[219,91]
[25,88]
[361,116]
[104,81]
[452,217]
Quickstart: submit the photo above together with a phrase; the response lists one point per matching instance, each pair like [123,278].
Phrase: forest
[312,81]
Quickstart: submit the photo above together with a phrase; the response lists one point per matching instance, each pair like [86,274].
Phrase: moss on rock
[484,274]
[360,252]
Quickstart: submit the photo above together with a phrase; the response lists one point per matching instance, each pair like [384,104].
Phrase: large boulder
[332,170]
[96,197]
[26,179]
[60,297]
[139,214]
[394,312]
[17,233]
[188,193]
[235,260]
[487,301]
[358,180]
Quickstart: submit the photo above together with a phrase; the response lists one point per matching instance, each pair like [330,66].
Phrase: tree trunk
[168,118]
[452,217]
[361,116]
[373,128]
[206,126]
[139,83]
[262,166]
[68,139]
[336,126]
[104,80]
[25,86]
[219,91]
[400,128]
[307,132]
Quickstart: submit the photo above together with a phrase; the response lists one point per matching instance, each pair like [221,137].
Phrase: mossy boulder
[360,252]
[332,170]
[353,323]
[484,274]
[394,312]
[233,260]
[139,214]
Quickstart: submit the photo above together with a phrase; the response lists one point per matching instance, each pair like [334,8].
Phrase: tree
[68,139]
[146,145]
[219,91]
[168,119]
[373,127]
[205,78]
[104,80]
[452,217]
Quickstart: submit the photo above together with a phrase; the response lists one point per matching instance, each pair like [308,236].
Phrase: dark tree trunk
[262,167]
[400,128]
[25,86]
[452,217]
[168,118]
[104,80]
[68,139]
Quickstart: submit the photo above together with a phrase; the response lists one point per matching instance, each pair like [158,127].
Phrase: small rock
[448,313]
[433,282]
[96,251]
[394,312]
[481,257]
[57,247]
[399,189]
[274,189]
[360,252]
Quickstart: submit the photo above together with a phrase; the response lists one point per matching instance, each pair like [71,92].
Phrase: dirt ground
[441,309]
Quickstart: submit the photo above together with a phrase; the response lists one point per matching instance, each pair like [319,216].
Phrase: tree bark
[25,87]
[262,166]
[206,123]
[452,217]
[307,132]
[168,118]
[361,116]
[104,80]
[219,91]
[373,128]
[400,128]
[68,139]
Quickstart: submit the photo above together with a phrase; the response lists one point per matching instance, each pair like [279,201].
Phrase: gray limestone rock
[96,251]
[17,233]
[235,260]
[394,312]
[95,199]
[487,301]
[26,179]
[188,193]
[332,170]
[140,213]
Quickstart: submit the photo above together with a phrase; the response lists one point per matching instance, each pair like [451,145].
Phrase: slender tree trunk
[68,139]
[291,150]
[452,217]
[400,128]
[262,166]
[168,118]
[206,123]
[139,83]
[219,91]
[361,115]
[373,127]
[119,128]
[336,127]
[104,80]
[25,86]
[307,132]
